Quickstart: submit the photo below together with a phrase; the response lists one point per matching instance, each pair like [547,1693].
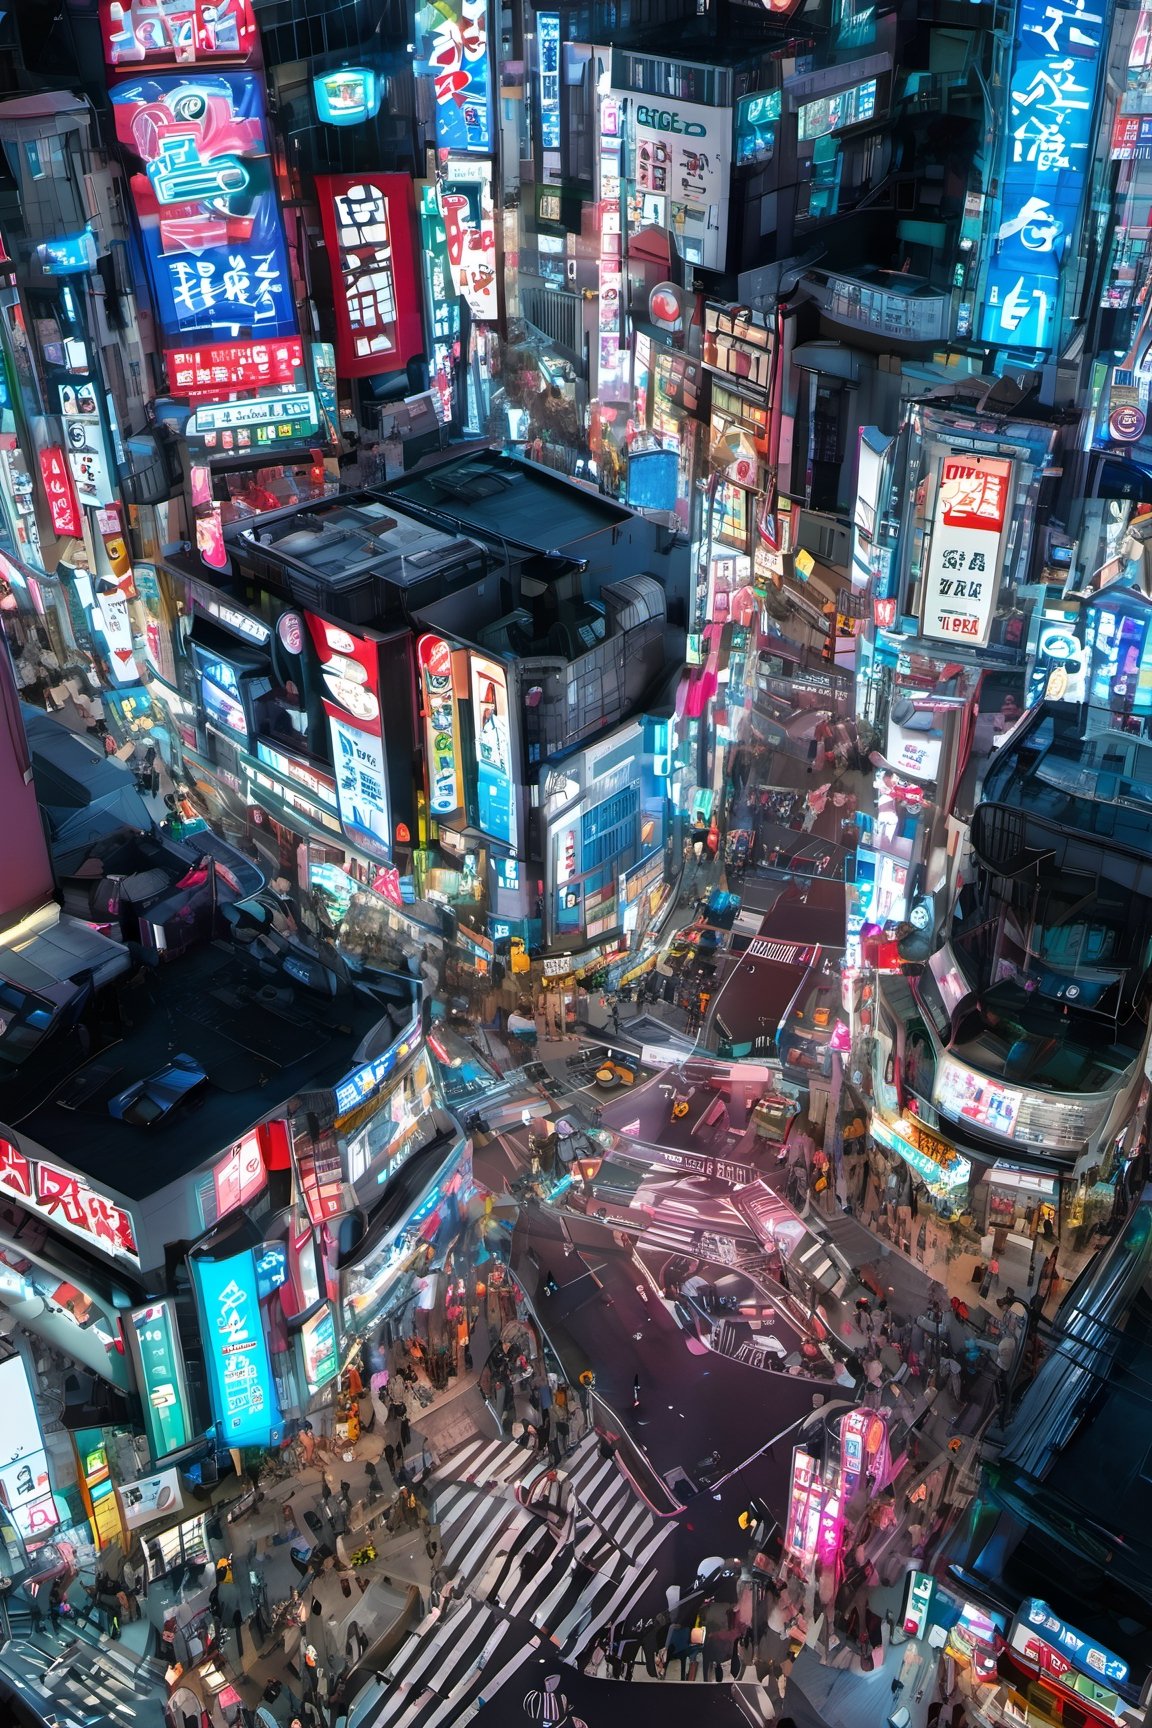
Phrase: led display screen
[452,48]
[154,1345]
[236,1352]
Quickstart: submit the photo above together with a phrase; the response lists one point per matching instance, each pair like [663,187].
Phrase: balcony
[882,309]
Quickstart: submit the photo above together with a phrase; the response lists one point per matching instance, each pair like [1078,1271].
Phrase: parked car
[151,1100]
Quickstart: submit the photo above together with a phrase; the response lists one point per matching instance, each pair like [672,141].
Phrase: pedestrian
[390,1457]
[55,1596]
[405,1431]
[375,1486]
[238,1628]
[635,1391]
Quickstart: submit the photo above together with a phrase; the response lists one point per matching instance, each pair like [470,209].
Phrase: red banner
[60,492]
[222,366]
[369,222]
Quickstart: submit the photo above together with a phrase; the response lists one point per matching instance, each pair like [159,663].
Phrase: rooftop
[1097,784]
[518,501]
[206,1004]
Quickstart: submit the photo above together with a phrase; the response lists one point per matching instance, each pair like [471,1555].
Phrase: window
[33,159]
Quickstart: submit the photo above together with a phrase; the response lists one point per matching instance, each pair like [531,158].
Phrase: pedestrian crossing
[81,1684]
[446,1665]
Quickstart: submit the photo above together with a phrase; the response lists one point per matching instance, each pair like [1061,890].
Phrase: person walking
[636,1392]
[238,1628]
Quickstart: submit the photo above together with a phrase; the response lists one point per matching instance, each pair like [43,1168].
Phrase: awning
[831,358]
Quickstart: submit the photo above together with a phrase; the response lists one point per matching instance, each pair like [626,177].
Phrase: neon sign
[226,427]
[452,44]
[176,32]
[222,366]
[351,698]
[368,230]
[470,229]
[1057,57]
[548,27]
[440,725]
[240,1372]
[207,205]
[72,255]
[59,491]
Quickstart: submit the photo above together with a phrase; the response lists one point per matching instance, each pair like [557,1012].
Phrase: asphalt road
[691,1401]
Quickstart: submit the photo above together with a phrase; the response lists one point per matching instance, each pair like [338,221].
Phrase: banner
[452,48]
[470,234]
[441,726]
[206,202]
[496,778]
[962,579]
[154,1346]
[368,225]
[60,492]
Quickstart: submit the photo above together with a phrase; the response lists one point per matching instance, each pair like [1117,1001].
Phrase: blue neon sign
[1092,1659]
[239,1367]
[363,1082]
[452,48]
[548,28]
[1056,64]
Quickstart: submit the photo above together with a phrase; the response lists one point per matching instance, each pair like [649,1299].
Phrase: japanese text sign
[154,1345]
[1057,58]
[452,44]
[368,227]
[1080,1651]
[207,206]
[67,1201]
[470,234]
[548,37]
[962,578]
[60,492]
[213,369]
[240,1371]
[441,726]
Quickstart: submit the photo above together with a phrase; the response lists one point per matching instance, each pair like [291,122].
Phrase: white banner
[962,579]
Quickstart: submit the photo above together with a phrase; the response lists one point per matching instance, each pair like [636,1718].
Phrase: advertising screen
[833,113]
[154,1346]
[318,1343]
[239,1369]
[441,726]
[68,1202]
[220,366]
[24,1480]
[233,428]
[962,1093]
[368,228]
[350,667]
[239,1176]
[151,1497]
[221,696]
[452,49]
[548,41]
[400,1125]
[207,206]
[176,32]
[347,97]
[1051,121]
[470,232]
[495,773]
[964,559]
[756,121]
[1120,677]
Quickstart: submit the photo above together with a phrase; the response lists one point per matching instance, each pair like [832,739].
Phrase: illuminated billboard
[207,206]
[967,1096]
[351,695]
[318,1344]
[66,1201]
[217,367]
[231,428]
[548,36]
[470,230]
[441,726]
[441,302]
[962,579]
[368,226]
[452,48]
[154,1346]
[176,32]
[60,492]
[495,773]
[236,1351]
[347,97]
[1047,138]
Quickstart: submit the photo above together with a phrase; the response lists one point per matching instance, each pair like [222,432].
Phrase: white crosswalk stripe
[447,1663]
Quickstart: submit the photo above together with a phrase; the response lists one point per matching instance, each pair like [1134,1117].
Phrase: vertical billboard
[962,579]
[351,695]
[441,301]
[206,202]
[318,1345]
[25,1484]
[158,1361]
[368,225]
[495,769]
[548,37]
[235,1349]
[470,232]
[1056,63]
[452,48]
[441,725]
[60,492]
[84,440]
[176,32]
[683,156]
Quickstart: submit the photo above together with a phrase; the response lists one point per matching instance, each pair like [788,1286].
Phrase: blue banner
[207,206]
[452,49]
[1056,65]
[239,1368]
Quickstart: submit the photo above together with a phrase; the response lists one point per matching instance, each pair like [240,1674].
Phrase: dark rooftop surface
[204,1003]
[494,494]
[1099,785]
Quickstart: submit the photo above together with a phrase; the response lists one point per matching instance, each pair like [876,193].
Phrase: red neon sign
[368,230]
[223,366]
[60,492]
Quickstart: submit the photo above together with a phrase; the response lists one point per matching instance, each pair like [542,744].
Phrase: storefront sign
[863,1450]
[230,428]
[318,1344]
[441,726]
[209,219]
[962,1093]
[683,157]
[441,302]
[452,48]
[962,579]
[548,40]
[496,813]
[240,1372]
[59,491]
[67,1201]
[944,1170]
[151,1497]
[347,97]
[181,32]
[1081,1652]
[470,233]
[804,1498]
[351,698]
[921,1588]
[364,1082]
[223,366]
[154,1346]
[1049,128]
[368,227]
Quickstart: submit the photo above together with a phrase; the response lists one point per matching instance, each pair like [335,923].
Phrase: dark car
[149,1101]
